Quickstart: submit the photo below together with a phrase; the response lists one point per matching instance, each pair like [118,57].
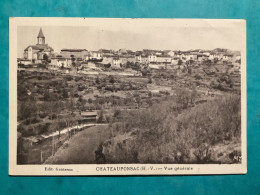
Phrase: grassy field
[80,149]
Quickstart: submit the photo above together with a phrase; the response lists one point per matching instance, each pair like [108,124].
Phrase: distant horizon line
[147,49]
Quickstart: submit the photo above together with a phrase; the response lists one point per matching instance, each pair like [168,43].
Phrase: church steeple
[41,37]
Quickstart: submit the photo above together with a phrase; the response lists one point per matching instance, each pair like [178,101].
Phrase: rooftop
[40,35]
[89,114]
[73,50]
[39,47]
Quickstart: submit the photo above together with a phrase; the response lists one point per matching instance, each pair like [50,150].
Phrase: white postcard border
[113,169]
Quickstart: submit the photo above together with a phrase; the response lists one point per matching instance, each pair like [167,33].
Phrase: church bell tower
[41,38]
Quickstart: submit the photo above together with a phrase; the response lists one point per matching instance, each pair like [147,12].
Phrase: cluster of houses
[87,60]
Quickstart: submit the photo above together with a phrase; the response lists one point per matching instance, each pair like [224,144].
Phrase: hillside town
[82,61]
[63,92]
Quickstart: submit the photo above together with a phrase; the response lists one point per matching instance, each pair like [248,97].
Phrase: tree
[22,92]
[28,110]
[127,100]
[100,116]
[238,61]
[73,59]
[73,92]
[207,62]
[97,80]
[69,104]
[51,108]
[80,98]
[65,93]
[117,113]
[130,85]
[180,62]
[197,77]
[144,72]
[90,101]
[150,80]
[107,65]
[182,98]
[46,96]
[189,71]
[101,101]
[215,60]
[45,60]
[138,100]
[111,79]
[149,102]
[114,102]
[193,95]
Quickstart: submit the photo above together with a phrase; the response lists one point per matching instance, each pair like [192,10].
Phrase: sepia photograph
[106,96]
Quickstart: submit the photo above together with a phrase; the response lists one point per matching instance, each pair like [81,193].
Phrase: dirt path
[80,149]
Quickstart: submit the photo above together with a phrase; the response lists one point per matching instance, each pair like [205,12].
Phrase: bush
[180,62]
[50,96]
[42,115]
[111,79]
[198,77]
[97,80]
[22,92]
[27,110]
[81,87]
[21,128]
[117,113]
[52,117]
[101,117]
[203,153]
[182,98]
[65,93]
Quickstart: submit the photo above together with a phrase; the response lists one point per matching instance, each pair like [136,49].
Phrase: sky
[135,34]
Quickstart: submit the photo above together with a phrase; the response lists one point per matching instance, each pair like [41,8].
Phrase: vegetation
[161,135]
[170,115]
[180,62]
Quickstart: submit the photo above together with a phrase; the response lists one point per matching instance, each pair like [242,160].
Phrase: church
[40,51]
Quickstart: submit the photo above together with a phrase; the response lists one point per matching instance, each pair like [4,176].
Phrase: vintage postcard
[107,96]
